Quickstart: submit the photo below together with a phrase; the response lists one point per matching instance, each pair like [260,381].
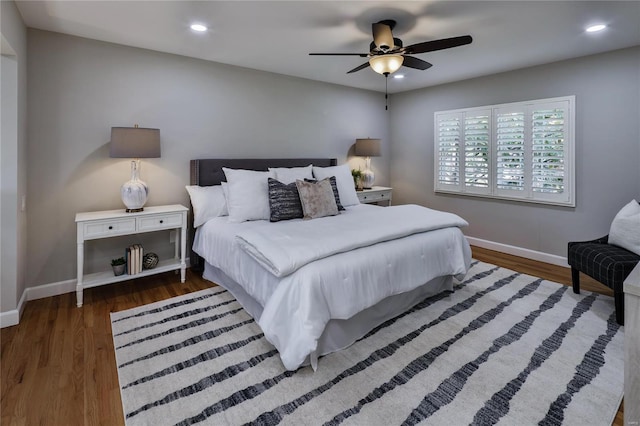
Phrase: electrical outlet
[172,236]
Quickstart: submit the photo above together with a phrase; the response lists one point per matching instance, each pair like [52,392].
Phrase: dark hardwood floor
[58,365]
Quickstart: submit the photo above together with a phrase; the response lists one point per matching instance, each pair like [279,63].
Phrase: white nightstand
[112,223]
[375,194]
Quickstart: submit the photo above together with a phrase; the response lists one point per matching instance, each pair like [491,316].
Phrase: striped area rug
[503,348]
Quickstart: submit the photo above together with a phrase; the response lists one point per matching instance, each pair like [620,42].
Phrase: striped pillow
[284,201]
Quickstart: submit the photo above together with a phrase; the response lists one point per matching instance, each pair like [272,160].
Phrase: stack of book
[134,254]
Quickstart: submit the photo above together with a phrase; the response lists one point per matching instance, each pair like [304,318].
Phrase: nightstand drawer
[152,223]
[375,196]
[109,228]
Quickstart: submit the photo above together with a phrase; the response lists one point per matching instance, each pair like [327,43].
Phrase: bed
[311,302]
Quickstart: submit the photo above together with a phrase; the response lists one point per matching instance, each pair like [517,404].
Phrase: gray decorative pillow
[284,201]
[317,199]
[334,187]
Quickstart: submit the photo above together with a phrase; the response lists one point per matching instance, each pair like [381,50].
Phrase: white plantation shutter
[549,150]
[510,150]
[520,151]
[448,138]
[477,145]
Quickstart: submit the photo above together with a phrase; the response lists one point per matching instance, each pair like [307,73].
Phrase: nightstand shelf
[375,195]
[113,223]
[106,277]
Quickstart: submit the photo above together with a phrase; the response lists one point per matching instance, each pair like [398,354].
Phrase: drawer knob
[110,227]
[161,221]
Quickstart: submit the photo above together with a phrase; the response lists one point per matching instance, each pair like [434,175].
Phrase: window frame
[530,195]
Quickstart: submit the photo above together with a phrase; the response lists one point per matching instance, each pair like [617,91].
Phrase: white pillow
[247,194]
[344,182]
[226,193]
[625,228]
[288,175]
[208,202]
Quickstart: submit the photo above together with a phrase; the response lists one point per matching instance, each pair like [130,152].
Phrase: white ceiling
[276,36]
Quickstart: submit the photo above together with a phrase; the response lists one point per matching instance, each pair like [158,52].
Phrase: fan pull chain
[386,80]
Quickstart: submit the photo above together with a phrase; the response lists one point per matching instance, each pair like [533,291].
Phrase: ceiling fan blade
[382,36]
[362,55]
[419,64]
[358,68]
[431,46]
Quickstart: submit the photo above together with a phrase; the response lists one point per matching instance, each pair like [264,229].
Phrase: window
[520,151]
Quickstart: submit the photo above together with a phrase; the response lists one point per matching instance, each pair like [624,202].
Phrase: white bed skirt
[339,334]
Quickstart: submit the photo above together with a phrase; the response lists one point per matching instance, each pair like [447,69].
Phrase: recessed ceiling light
[596,28]
[198,27]
[398,76]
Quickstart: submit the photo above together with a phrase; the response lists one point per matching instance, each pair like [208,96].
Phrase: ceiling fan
[387,54]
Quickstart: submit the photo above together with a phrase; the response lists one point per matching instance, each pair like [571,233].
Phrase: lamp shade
[368,147]
[386,64]
[134,142]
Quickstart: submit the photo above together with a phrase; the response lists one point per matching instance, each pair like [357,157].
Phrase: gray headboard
[207,172]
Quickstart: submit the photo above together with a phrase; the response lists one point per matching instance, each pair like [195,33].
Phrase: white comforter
[298,306]
[285,247]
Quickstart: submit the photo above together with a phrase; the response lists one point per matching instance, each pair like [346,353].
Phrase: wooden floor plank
[58,365]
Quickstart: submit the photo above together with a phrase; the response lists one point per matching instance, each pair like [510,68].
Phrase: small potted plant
[357,178]
[118,266]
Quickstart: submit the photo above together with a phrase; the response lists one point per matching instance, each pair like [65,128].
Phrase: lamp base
[367,179]
[367,175]
[134,195]
[134,192]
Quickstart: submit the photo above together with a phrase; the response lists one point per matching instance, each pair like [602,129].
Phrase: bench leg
[619,301]
[575,280]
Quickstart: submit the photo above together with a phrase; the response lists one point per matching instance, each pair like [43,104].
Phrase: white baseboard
[9,318]
[49,290]
[519,251]
[12,317]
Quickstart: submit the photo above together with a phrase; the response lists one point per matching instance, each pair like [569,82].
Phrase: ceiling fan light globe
[386,64]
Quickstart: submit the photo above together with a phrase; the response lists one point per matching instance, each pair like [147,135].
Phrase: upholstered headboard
[207,172]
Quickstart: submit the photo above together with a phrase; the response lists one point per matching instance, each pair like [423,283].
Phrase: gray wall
[13,160]
[80,88]
[607,89]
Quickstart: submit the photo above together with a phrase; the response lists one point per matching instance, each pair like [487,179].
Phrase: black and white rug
[503,348]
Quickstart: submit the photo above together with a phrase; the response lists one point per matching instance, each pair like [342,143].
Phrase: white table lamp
[134,142]
[368,148]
